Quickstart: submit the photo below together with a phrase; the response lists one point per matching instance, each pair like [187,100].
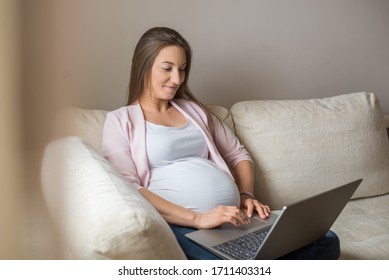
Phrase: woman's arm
[236,155]
[244,176]
[178,215]
[228,144]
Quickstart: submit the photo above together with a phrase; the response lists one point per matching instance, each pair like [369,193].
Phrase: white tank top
[181,172]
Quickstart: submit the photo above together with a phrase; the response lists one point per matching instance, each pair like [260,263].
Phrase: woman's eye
[170,69]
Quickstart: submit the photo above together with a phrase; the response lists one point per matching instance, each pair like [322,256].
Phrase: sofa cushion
[222,114]
[363,228]
[387,123]
[302,147]
[386,117]
[100,214]
[87,124]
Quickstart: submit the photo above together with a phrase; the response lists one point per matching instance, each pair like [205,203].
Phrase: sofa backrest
[88,124]
[303,147]
[299,147]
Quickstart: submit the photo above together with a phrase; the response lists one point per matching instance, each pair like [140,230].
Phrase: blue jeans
[326,248]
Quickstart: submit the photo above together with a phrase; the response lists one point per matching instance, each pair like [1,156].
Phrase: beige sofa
[299,147]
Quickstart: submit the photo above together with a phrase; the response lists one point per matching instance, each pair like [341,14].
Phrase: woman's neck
[162,113]
[156,106]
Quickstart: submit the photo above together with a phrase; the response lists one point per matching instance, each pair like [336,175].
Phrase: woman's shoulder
[125,112]
[125,108]
[188,104]
[124,117]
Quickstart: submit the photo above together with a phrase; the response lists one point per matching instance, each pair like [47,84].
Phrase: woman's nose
[176,77]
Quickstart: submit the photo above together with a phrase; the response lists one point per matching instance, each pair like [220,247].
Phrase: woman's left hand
[249,205]
[244,177]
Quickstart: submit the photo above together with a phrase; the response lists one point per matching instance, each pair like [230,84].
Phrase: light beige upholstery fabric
[386,120]
[223,114]
[363,229]
[87,124]
[303,147]
[100,214]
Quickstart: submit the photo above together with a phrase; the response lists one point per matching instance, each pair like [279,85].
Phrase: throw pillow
[100,214]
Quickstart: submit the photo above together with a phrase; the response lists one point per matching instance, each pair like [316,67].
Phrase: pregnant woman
[182,159]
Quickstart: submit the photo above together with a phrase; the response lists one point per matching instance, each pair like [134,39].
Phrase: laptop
[295,226]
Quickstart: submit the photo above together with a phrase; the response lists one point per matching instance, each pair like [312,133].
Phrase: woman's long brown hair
[148,47]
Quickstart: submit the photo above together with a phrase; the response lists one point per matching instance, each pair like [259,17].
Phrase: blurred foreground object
[11,160]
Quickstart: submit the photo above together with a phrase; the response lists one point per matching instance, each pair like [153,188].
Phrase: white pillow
[302,147]
[100,214]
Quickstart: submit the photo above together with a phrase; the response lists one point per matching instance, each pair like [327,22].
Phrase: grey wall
[250,49]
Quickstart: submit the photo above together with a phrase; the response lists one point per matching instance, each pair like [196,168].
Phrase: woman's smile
[170,88]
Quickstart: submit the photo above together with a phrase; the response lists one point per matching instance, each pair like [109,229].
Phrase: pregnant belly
[195,184]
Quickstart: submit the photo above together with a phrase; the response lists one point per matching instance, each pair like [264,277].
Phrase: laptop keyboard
[244,247]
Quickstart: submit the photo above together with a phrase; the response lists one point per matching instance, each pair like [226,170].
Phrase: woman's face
[167,73]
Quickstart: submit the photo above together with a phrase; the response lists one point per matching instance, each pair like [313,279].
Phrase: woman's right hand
[178,215]
[220,215]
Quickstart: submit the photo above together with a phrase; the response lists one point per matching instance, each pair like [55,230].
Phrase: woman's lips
[171,88]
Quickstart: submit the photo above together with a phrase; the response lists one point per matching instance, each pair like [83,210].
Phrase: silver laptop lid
[306,221]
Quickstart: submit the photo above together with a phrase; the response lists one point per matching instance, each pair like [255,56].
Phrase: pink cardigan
[124,141]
